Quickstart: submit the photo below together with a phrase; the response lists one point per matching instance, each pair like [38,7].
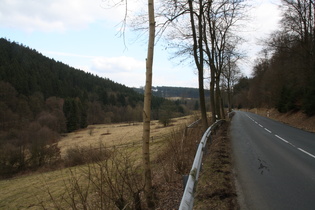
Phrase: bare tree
[197,26]
[231,73]
[220,21]
[147,108]
[137,24]
[213,25]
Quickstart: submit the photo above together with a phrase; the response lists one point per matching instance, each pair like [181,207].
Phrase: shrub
[82,155]
[115,183]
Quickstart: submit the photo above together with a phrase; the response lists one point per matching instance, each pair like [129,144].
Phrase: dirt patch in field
[105,134]
[216,187]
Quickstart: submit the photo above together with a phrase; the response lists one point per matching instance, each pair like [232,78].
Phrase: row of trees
[284,76]
[206,30]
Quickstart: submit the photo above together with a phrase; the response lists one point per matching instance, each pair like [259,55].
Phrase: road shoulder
[216,187]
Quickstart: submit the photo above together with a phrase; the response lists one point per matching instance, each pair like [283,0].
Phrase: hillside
[122,142]
[41,98]
[28,72]
[30,75]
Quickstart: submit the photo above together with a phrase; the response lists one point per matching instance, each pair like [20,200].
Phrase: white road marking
[282,139]
[313,156]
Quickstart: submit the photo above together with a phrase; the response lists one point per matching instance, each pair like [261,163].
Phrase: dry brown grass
[118,134]
[170,166]
[25,192]
[216,189]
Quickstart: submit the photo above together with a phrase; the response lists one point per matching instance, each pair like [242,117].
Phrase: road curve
[274,163]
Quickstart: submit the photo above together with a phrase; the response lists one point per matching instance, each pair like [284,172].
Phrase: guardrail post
[185,179]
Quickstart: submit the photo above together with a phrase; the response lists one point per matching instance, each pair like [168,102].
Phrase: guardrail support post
[185,179]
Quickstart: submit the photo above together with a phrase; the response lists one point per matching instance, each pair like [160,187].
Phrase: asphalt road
[274,163]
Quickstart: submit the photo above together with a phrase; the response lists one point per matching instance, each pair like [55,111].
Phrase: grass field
[117,134]
[26,191]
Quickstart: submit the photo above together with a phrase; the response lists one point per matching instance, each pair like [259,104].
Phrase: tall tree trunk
[217,97]
[222,106]
[198,56]
[147,109]
[202,101]
[229,95]
[212,94]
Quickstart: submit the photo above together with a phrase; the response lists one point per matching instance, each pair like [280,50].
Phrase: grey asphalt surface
[274,163]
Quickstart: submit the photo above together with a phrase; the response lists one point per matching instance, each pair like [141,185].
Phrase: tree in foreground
[147,108]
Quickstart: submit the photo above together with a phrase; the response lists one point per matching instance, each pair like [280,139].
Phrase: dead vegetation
[117,182]
[170,166]
[114,183]
[112,177]
[216,189]
[111,135]
[108,173]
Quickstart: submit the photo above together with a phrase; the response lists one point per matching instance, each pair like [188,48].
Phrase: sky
[85,34]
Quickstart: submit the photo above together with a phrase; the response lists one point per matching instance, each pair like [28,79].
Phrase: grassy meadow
[28,191]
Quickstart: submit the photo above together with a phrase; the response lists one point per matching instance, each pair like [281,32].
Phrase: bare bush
[114,183]
[42,147]
[172,163]
[83,155]
[118,181]
[178,156]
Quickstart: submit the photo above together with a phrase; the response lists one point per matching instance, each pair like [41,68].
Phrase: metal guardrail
[194,123]
[188,196]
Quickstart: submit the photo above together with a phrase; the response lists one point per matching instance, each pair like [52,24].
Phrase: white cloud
[58,15]
[131,72]
[71,15]
[264,19]
[65,54]
[123,69]
[117,64]
[130,79]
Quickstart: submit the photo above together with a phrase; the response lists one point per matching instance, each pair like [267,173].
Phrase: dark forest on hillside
[41,98]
